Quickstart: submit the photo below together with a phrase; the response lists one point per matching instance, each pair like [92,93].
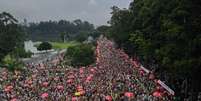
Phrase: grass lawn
[60,45]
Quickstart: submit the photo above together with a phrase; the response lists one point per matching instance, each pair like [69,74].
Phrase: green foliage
[82,36]
[80,55]
[120,25]
[103,29]
[44,46]
[21,53]
[57,30]
[142,46]
[11,34]
[11,63]
[64,36]
[162,32]
[59,45]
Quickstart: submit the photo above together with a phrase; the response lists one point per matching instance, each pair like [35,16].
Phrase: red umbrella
[44,95]
[92,70]
[157,94]
[89,78]
[74,98]
[60,87]
[81,70]
[108,98]
[71,76]
[129,94]
[8,88]
[70,81]
[45,84]
[14,99]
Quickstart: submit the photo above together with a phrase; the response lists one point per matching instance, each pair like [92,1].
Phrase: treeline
[12,38]
[166,36]
[51,30]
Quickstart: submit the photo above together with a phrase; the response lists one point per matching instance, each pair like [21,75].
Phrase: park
[96,50]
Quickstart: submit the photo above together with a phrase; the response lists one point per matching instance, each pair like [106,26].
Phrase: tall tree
[51,30]
[11,34]
[165,33]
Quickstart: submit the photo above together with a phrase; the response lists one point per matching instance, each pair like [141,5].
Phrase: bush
[82,36]
[11,63]
[44,46]
[11,34]
[21,53]
[80,55]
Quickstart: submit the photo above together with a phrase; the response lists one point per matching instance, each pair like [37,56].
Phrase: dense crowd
[114,77]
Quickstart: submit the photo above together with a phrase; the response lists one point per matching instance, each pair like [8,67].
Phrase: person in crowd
[114,77]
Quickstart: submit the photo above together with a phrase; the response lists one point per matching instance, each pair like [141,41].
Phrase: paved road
[42,57]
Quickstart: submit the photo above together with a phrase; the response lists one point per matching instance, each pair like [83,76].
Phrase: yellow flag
[77,93]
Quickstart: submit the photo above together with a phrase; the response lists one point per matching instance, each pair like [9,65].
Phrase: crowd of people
[114,77]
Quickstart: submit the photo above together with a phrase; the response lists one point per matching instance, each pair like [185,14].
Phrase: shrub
[80,55]
[44,46]
[11,63]
[21,53]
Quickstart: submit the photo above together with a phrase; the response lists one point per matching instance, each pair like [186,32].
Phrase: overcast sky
[94,11]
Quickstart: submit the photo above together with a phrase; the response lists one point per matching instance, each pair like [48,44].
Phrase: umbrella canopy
[129,94]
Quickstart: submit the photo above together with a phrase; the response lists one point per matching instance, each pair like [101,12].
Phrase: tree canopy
[80,55]
[51,30]
[11,34]
[164,33]
[44,46]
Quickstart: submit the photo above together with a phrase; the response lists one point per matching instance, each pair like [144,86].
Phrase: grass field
[60,45]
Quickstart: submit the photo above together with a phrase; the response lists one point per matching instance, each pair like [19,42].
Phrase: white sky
[94,11]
